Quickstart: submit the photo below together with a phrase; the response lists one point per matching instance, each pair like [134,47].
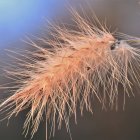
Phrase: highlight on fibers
[69,74]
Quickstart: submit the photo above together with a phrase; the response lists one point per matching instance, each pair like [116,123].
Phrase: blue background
[21,17]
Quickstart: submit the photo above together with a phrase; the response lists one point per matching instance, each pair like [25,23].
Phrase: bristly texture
[71,73]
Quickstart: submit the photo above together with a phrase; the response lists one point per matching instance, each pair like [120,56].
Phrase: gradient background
[19,18]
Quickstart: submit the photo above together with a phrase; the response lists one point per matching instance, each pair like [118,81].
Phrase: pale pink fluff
[70,73]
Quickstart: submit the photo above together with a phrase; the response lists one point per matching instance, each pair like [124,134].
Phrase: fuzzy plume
[80,65]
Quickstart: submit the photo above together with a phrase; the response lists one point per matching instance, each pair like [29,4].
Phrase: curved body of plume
[71,72]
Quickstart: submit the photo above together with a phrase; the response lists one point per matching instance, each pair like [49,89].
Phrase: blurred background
[19,19]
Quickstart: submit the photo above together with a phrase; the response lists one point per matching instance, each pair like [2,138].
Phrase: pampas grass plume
[68,75]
